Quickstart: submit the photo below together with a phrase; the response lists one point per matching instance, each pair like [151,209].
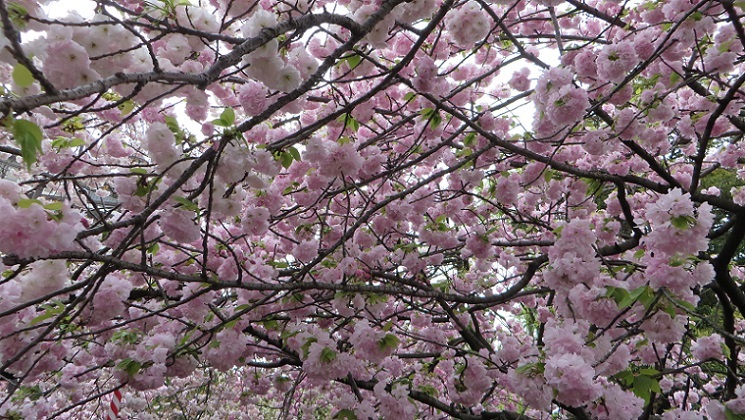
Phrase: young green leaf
[644,386]
[22,76]
[186,204]
[327,355]
[228,116]
[345,414]
[28,135]
[354,61]
[389,341]
[130,366]
[294,152]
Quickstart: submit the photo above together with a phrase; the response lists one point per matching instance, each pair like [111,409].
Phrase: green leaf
[327,355]
[278,264]
[227,118]
[354,61]
[432,116]
[644,386]
[126,107]
[172,125]
[25,203]
[270,324]
[731,415]
[349,121]
[674,77]
[288,333]
[429,390]
[726,351]
[111,96]
[389,341]
[242,307]
[33,393]
[649,371]
[28,136]
[285,159]
[130,366]
[18,15]
[618,294]
[306,346]
[186,204]
[228,115]
[647,297]
[470,140]
[143,189]
[687,305]
[670,310]
[531,369]
[294,152]
[64,142]
[409,96]
[55,206]
[22,76]
[52,310]
[141,171]
[683,222]
[626,377]
[127,337]
[634,295]
[345,414]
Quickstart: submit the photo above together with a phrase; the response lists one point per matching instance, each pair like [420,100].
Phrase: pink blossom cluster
[370,343]
[572,257]
[558,102]
[161,145]
[708,347]
[468,25]
[334,159]
[678,230]
[31,230]
[68,64]
[615,61]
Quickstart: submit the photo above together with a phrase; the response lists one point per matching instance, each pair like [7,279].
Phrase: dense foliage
[510,209]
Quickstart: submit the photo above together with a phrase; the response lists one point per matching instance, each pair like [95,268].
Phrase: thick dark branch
[155,204]
[567,168]
[98,87]
[435,403]
[297,286]
[300,24]
[613,20]
[728,321]
[18,53]
[199,79]
[706,135]
[734,19]
[722,261]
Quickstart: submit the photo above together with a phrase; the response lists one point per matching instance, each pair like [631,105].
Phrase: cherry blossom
[372,209]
